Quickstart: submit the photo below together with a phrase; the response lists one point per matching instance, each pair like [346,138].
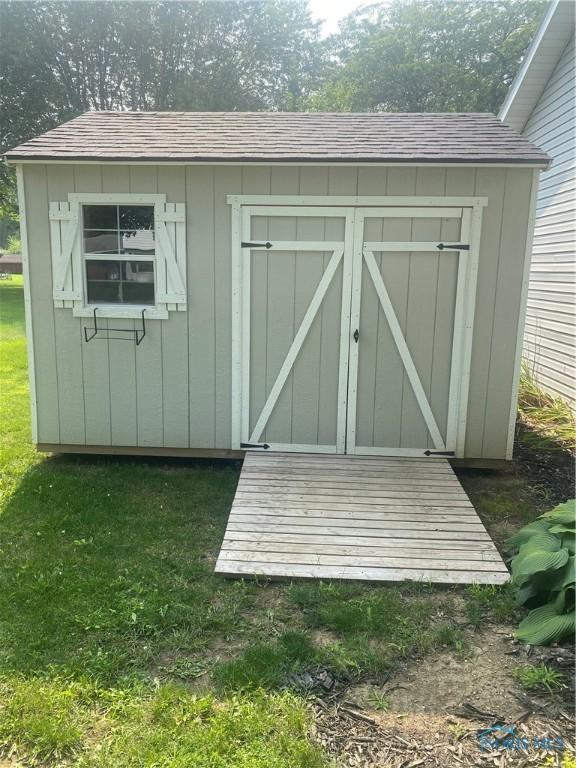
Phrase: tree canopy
[61,58]
[429,56]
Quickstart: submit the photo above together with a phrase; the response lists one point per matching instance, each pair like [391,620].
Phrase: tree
[59,59]
[429,55]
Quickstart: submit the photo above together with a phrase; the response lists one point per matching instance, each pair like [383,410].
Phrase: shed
[205,283]
[541,104]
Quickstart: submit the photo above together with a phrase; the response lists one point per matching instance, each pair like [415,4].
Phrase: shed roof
[554,34]
[282,136]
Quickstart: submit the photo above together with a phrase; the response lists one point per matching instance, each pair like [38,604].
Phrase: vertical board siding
[490,183]
[174,390]
[549,333]
[515,214]
[174,340]
[69,353]
[41,303]
[201,310]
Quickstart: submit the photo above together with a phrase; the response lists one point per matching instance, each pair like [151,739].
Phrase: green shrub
[13,244]
[544,575]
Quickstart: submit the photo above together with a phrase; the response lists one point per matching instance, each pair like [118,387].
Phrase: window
[117,254]
[119,249]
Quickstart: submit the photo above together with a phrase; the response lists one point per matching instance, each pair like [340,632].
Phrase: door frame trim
[241,280]
[377,201]
[472,206]
[462,336]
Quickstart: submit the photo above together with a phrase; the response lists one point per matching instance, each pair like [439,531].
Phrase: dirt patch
[357,739]
[442,683]
[478,679]
[432,712]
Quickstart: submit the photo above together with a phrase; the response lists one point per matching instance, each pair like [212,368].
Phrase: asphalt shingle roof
[283,136]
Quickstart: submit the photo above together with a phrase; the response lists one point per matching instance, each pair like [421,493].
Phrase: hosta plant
[543,573]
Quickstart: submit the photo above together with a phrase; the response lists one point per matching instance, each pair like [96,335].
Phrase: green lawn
[120,647]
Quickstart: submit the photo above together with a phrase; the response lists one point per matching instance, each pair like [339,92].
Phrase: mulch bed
[550,473]
[543,725]
[357,739]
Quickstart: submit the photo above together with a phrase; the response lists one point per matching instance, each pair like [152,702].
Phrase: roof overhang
[409,163]
[554,34]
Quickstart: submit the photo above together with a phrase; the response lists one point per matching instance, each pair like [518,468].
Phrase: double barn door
[354,329]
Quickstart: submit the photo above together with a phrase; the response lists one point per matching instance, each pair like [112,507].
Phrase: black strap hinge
[453,247]
[256,245]
[438,453]
[255,445]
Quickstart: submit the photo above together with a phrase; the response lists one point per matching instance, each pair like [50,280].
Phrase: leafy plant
[379,701]
[549,419]
[539,676]
[13,244]
[543,573]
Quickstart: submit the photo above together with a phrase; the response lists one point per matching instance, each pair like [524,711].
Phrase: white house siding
[549,337]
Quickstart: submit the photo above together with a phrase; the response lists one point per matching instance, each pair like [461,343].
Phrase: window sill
[133,312]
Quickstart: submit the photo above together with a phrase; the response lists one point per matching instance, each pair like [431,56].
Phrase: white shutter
[66,267]
[170,227]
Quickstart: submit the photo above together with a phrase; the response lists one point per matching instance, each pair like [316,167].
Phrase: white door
[296,272]
[410,276]
[355,328]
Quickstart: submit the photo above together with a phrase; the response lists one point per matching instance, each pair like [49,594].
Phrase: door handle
[356,335]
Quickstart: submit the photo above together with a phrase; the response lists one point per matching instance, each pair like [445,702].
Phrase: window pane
[103,281]
[136,217]
[120,282]
[139,241]
[138,293]
[98,241]
[103,270]
[138,285]
[100,216]
[138,271]
[103,292]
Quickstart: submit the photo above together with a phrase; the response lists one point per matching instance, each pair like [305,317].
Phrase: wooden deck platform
[356,517]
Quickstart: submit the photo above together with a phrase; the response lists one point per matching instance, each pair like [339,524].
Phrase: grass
[490,602]
[118,644]
[137,726]
[106,591]
[550,420]
[538,677]
[379,701]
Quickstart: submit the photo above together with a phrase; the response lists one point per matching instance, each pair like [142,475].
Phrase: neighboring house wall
[175,389]
[549,336]
[10,263]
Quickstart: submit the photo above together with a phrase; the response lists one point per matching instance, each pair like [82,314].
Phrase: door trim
[466,281]
[461,340]
[341,254]
[357,200]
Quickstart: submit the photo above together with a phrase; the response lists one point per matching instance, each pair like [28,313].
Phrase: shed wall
[549,338]
[174,390]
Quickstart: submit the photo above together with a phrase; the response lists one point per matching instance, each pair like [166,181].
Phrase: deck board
[348,517]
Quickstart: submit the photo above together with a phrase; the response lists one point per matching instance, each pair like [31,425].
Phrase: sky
[331,11]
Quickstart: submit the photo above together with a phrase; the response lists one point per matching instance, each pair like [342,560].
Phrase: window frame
[114,257]
[158,310]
